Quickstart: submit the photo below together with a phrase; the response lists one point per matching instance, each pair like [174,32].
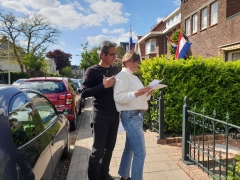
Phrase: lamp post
[9,80]
[82,69]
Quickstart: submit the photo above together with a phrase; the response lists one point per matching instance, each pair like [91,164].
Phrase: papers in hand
[155,84]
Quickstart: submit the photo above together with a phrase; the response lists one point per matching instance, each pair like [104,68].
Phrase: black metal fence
[202,150]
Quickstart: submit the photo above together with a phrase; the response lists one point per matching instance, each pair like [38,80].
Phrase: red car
[62,92]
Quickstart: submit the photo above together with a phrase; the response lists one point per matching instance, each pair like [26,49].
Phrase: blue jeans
[134,150]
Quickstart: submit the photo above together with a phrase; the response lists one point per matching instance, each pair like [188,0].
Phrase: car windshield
[19,81]
[46,87]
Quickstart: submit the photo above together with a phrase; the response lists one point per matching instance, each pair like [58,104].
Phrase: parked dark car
[78,84]
[33,135]
[62,92]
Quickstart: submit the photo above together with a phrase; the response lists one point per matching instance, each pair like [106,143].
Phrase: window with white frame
[204,13]
[187,29]
[194,23]
[150,46]
[214,13]
[234,56]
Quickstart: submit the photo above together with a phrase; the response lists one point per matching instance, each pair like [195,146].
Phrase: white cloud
[72,15]
[123,37]
[113,15]
[105,31]
[127,14]
[39,4]
[17,6]
[60,45]
[177,2]
[159,19]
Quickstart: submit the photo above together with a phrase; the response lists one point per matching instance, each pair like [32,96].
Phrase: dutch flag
[172,43]
[183,47]
[130,39]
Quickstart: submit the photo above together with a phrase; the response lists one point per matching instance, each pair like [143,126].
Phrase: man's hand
[108,82]
[142,91]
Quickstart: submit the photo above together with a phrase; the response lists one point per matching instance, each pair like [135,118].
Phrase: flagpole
[130,39]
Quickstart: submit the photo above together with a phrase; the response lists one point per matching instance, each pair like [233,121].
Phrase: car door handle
[53,139]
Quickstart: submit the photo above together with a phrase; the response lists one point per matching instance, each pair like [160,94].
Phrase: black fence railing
[202,150]
[157,123]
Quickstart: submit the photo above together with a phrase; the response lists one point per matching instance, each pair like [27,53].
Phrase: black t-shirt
[93,87]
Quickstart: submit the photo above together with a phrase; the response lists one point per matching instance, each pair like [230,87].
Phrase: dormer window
[151,46]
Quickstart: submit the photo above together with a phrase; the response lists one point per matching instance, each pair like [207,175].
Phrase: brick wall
[226,31]
[233,7]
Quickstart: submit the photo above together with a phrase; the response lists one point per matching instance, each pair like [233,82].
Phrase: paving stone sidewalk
[161,163]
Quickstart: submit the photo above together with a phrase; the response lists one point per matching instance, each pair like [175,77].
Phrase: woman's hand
[149,93]
[142,91]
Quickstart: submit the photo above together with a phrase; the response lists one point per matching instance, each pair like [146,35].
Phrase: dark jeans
[105,127]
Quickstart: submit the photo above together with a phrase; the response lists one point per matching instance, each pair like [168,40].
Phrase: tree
[61,58]
[66,71]
[89,58]
[34,62]
[174,37]
[118,64]
[120,52]
[32,29]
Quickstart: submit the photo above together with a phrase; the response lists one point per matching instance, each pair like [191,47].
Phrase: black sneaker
[108,177]
[127,178]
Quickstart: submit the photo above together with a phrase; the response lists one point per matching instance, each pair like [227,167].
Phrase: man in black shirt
[98,83]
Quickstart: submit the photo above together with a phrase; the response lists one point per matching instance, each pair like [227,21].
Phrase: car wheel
[66,149]
[73,123]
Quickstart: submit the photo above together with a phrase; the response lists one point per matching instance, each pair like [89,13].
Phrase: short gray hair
[105,45]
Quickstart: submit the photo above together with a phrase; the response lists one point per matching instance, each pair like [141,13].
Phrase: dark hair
[105,45]
[131,56]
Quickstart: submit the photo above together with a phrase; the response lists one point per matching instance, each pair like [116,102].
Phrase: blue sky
[93,21]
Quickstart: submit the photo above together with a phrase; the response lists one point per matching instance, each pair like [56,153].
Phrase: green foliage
[66,71]
[120,52]
[174,37]
[53,75]
[34,61]
[209,83]
[15,76]
[89,57]
[118,64]
[237,169]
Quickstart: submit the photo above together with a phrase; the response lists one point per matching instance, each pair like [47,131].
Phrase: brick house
[213,27]
[155,42]
[77,72]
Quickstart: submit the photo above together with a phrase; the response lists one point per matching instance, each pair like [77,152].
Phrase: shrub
[209,83]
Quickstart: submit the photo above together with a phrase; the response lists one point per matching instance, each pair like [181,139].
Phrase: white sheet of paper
[159,86]
[154,82]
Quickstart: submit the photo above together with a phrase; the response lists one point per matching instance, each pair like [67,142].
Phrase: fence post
[161,116]
[185,131]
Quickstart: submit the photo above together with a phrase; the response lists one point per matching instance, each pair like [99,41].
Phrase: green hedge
[209,83]
[15,76]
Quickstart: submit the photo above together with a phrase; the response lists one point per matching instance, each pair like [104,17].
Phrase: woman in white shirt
[131,100]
